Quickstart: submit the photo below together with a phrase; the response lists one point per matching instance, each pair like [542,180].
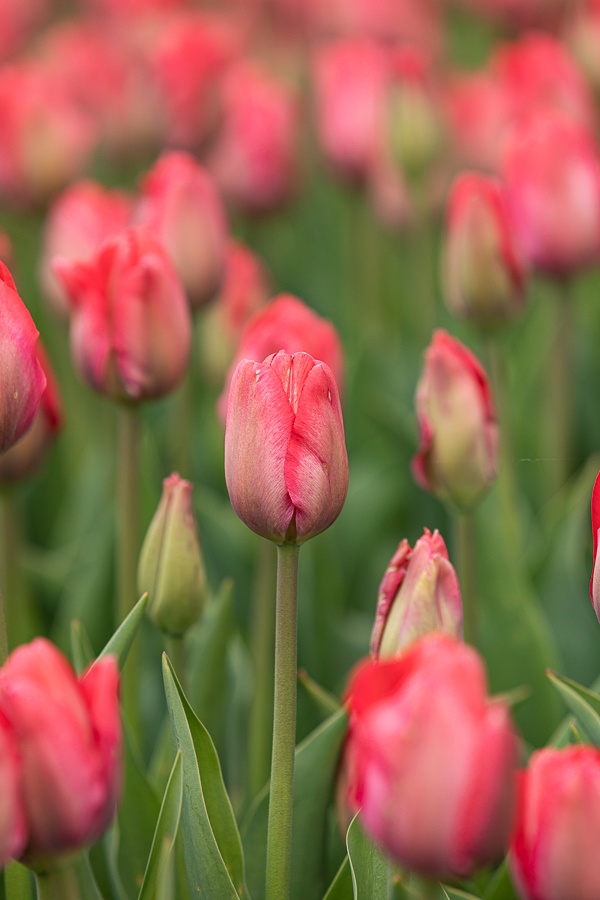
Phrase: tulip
[13,827]
[595,579]
[431,759]
[80,219]
[23,459]
[484,275]
[68,734]
[23,379]
[554,847]
[457,456]
[130,324]
[419,593]
[181,206]
[286,466]
[171,567]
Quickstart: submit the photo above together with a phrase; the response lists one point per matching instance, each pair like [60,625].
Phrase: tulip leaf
[500,885]
[369,867]
[341,886]
[315,767]
[82,652]
[325,702]
[583,703]
[456,894]
[212,846]
[121,641]
[160,862]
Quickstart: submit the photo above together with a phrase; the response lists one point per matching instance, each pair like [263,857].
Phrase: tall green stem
[279,832]
[464,533]
[59,884]
[559,418]
[262,638]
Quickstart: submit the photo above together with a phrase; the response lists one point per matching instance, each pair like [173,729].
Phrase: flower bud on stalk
[457,457]
[554,847]
[419,594]
[171,566]
[285,458]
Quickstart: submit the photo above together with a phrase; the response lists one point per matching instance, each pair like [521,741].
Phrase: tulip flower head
[554,847]
[286,466]
[431,759]
[419,593]
[13,826]
[457,457]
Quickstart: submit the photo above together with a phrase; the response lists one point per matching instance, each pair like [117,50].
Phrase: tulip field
[299,449]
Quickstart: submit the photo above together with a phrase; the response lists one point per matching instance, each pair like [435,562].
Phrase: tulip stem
[464,531]
[262,639]
[59,884]
[559,418]
[279,832]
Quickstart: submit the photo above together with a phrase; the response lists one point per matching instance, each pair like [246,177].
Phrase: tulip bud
[419,593]
[484,275]
[457,456]
[68,733]
[414,117]
[130,326]
[23,379]
[181,206]
[13,827]
[171,568]
[554,847]
[286,466]
[430,759]
[595,579]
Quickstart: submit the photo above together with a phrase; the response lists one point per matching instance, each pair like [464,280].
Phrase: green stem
[279,832]
[176,651]
[464,533]
[559,418]
[262,639]
[59,884]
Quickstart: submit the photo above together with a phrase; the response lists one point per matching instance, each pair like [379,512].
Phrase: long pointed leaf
[122,639]
[161,853]
[368,865]
[582,702]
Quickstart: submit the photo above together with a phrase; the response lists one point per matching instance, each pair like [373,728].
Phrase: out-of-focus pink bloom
[484,274]
[554,847]
[189,59]
[79,220]
[595,579]
[68,734]
[286,466]
[13,827]
[419,593]
[479,108]
[24,458]
[255,154]
[19,20]
[245,289]
[457,457]
[182,207]
[523,13]
[351,78]
[130,323]
[431,759]
[288,324]
[551,168]
[411,22]
[46,138]
[23,379]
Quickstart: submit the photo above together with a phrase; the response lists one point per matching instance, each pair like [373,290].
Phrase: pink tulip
[13,827]
[431,759]
[552,171]
[80,219]
[68,734]
[419,593]
[479,109]
[595,579]
[554,847]
[130,325]
[182,207]
[285,458]
[23,379]
[484,274]
[245,289]
[457,457]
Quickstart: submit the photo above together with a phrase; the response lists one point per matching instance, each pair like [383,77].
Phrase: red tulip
[431,759]
[554,847]
[68,734]
[13,827]
[285,458]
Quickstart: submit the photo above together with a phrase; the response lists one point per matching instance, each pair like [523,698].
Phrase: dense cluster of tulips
[327,269]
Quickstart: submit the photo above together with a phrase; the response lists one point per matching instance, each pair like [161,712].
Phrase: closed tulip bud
[130,324]
[171,567]
[457,457]
[484,274]
[419,593]
[430,759]
[68,733]
[23,379]
[554,847]
[285,457]
[595,579]
[180,204]
[414,116]
[13,827]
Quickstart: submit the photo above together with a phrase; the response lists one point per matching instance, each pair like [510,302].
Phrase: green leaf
[583,703]
[82,652]
[213,851]
[158,873]
[500,886]
[314,774]
[368,865]
[341,886]
[122,639]
[88,889]
[325,701]
[456,894]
